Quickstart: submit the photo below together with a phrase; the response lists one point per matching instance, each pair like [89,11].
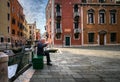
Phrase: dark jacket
[40,48]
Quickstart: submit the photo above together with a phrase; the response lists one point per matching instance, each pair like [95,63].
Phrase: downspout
[82,26]
[52,22]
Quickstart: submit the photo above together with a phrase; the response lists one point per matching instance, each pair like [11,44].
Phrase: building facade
[38,36]
[83,22]
[63,22]
[17,22]
[101,23]
[25,32]
[32,32]
[5,22]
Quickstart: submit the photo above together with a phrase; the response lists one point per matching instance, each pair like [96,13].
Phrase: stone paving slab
[101,64]
[82,65]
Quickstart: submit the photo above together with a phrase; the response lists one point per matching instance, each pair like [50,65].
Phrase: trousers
[46,53]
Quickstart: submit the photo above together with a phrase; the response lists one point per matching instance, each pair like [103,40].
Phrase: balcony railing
[76,31]
[58,30]
[76,15]
[58,16]
[19,59]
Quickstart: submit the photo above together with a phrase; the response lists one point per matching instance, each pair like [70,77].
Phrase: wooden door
[101,39]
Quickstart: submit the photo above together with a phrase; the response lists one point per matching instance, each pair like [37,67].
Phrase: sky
[34,10]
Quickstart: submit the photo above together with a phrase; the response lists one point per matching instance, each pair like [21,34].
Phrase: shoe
[49,64]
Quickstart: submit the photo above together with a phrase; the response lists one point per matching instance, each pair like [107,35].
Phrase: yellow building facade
[5,22]
[32,31]
[26,31]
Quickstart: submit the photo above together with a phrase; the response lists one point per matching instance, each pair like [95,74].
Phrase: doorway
[67,41]
[102,39]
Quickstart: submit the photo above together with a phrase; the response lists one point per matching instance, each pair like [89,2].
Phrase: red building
[82,22]
[63,22]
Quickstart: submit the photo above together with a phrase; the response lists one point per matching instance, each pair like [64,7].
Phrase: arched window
[90,16]
[57,8]
[102,16]
[113,16]
[75,8]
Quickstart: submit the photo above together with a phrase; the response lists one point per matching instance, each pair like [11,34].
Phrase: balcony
[76,31]
[58,16]
[58,31]
[76,15]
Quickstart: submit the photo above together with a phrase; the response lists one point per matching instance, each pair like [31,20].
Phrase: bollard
[3,67]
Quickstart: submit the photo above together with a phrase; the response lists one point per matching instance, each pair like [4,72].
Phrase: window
[111,0]
[8,16]
[75,8]
[90,37]
[76,36]
[91,16]
[30,27]
[21,34]
[8,4]
[58,25]
[8,29]
[30,37]
[13,21]
[113,37]
[112,16]
[101,1]
[57,11]
[30,32]
[101,16]
[2,39]
[8,39]
[57,8]
[13,31]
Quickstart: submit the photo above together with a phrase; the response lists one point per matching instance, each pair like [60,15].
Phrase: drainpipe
[52,23]
[82,26]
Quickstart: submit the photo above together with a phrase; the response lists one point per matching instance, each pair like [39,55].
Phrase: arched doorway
[102,38]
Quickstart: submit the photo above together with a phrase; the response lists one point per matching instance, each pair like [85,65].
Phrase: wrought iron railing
[22,59]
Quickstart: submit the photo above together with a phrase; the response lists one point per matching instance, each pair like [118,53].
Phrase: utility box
[38,62]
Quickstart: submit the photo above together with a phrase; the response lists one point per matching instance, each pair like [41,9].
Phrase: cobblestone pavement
[96,64]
